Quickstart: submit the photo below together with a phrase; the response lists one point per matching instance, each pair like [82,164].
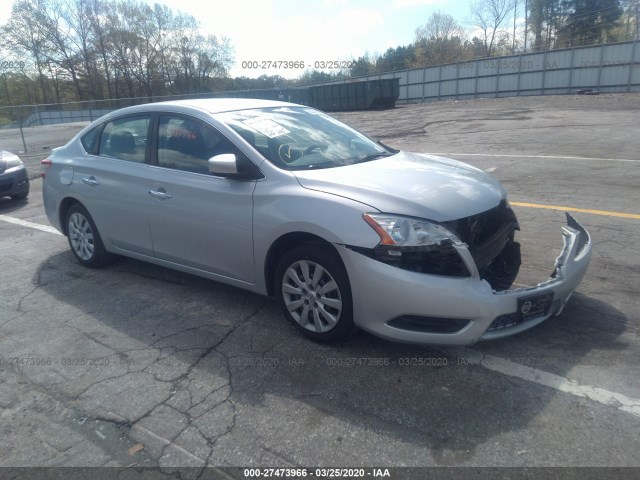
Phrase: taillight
[44,165]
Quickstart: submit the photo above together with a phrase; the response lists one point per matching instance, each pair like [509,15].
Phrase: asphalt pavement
[137,365]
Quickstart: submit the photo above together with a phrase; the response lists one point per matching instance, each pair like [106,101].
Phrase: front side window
[297,138]
[187,144]
[125,138]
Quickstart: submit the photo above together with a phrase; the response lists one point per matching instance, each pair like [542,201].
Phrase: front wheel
[314,292]
[84,239]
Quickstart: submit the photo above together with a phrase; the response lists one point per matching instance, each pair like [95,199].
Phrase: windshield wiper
[375,156]
[391,149]
[313,166]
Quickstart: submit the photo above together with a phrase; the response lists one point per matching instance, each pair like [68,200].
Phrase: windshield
[298,138]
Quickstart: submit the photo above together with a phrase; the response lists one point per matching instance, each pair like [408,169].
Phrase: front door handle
[161,194]
[90,181]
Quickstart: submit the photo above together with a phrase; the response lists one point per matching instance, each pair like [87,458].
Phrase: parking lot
[137,365]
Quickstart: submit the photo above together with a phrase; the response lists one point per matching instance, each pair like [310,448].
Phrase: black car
[14,181]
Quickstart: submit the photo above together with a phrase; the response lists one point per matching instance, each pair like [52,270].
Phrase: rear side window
[125,138]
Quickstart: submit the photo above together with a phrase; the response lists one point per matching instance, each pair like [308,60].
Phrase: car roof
[211,105]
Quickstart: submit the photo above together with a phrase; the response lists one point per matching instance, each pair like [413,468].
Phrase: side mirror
[229,166]
[223,165]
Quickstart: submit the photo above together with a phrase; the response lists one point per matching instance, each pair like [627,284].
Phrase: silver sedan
[284,200]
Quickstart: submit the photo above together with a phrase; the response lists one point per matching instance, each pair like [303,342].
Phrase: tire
[84,240]
[312,287]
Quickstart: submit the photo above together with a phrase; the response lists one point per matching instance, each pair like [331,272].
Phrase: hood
[416,185]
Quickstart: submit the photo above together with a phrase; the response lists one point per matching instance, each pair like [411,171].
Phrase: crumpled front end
[536,304]
[414,307]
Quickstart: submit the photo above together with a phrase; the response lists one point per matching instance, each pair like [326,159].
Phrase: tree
[440,40]
[363,65]
[399,58]
[25,36]
[629,28]
[439,25]
[111,48]
[318,76]
[590,22]
[515,8]
[489,17]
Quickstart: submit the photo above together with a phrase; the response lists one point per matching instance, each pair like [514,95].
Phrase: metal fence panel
[486,85]
[448,88]
[448,72]
[413,91]
[508,84]
[607,68]
[466,70]
[432,74]
[466,86]
[414,76]
[585,77]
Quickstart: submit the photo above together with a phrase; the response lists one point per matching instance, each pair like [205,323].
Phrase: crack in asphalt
[176,383]
[22,314]
[179,383]
[38,284]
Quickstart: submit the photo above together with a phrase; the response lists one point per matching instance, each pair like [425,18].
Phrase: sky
[308,31]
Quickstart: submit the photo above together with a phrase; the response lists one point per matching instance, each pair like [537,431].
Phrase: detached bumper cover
[383,296]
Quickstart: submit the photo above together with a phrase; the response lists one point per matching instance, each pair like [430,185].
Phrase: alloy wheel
[81,236]
[312,296]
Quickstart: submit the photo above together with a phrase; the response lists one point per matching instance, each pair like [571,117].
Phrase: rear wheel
[84,239]
[314,292]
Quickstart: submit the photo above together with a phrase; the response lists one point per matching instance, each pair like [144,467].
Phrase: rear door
[196,219]
[112,183]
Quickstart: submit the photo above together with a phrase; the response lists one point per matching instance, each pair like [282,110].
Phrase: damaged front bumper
[418,308]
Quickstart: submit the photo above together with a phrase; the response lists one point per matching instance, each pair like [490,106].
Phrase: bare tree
[489,17]
[97,18]
[96,48]
[440,40]
[77,16]
[25,36]
[439,25]
[516,4]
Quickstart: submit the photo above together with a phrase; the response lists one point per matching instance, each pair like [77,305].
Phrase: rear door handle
[90,181]
[161,194]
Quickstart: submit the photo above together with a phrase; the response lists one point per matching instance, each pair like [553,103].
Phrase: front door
[196,219]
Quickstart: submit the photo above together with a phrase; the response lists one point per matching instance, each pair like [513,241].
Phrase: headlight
[416,245]
[405,232]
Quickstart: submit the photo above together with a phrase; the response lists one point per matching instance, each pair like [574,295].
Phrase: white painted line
[562,384]
[562,157]
[24,223]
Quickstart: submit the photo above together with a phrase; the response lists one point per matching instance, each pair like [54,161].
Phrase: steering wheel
[289,153]
[315,146]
